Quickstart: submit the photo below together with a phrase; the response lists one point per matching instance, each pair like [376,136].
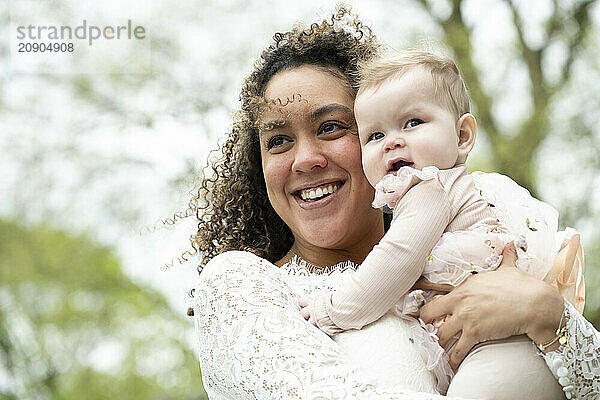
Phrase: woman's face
[312,162]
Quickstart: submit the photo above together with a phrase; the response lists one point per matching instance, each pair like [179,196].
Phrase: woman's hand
[496,305]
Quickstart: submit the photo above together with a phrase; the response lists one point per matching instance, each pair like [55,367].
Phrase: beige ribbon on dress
[567,272]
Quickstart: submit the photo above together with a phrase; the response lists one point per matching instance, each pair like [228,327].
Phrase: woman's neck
[324,257]
[319,257]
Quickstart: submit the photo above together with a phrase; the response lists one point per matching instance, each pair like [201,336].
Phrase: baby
[416,131]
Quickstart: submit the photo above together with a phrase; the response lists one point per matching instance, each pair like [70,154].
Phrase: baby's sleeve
[393,266]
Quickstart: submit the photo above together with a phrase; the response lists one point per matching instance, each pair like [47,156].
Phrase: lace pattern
[413,358]
[254,344]
[580,356]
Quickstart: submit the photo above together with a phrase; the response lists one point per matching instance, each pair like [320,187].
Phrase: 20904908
[45,47]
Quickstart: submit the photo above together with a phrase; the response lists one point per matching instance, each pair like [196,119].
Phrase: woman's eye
[411,123]
[330,127]
[375,136]
[276,142]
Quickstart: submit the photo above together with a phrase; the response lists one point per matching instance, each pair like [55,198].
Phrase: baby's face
[401,123]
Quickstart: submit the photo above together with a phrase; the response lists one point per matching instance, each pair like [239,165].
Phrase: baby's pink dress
[530,223]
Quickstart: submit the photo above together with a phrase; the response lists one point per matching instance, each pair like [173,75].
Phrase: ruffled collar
[299,266]
[391,188]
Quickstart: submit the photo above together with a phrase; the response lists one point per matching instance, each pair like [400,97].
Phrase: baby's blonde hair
[449,86]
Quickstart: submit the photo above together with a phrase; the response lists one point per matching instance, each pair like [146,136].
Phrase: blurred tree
[514,153]
[556,51]
[72,326]
[592,311]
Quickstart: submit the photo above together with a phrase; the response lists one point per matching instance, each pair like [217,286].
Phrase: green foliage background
[66,308]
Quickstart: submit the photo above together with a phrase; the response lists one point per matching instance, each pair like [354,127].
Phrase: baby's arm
[392,267]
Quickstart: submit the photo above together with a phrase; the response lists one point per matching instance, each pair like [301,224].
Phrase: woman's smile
[318,195]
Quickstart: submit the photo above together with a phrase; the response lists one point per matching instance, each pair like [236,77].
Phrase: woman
[294,137]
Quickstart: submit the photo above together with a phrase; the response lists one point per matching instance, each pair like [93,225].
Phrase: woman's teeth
[318,192]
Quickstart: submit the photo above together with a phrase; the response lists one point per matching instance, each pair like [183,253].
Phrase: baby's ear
[467,132]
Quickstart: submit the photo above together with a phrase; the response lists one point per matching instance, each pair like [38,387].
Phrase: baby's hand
[305,310]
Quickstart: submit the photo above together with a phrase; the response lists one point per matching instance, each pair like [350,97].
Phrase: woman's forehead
[306,90]
[309,83]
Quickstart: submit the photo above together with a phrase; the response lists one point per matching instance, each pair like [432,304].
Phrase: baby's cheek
[442,158]
[366,165]
[372,168]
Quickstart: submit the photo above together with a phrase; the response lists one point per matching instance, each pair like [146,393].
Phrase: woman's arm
[253,343]
[509,302]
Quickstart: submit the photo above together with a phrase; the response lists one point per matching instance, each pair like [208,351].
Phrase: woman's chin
[340,229]
[323,237]
[328,234]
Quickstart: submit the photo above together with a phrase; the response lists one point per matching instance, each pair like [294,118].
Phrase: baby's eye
[375,136]
[411,123]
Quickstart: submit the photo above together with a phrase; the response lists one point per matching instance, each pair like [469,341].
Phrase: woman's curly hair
[231,202]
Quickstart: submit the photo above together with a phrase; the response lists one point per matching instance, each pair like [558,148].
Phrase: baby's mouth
[318,192]
[399,164]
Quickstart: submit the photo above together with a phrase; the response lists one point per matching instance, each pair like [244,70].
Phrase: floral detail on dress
[544,252]
[459,254]
[523,214]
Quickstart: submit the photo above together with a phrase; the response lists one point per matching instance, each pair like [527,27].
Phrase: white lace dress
[254,344]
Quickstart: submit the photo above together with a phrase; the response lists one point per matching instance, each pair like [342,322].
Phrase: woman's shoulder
[233,259]
[235,255]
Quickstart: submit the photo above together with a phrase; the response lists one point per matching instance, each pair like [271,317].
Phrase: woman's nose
[394,141]
[309,155]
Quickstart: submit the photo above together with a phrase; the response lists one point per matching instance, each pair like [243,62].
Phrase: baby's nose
[394,141]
